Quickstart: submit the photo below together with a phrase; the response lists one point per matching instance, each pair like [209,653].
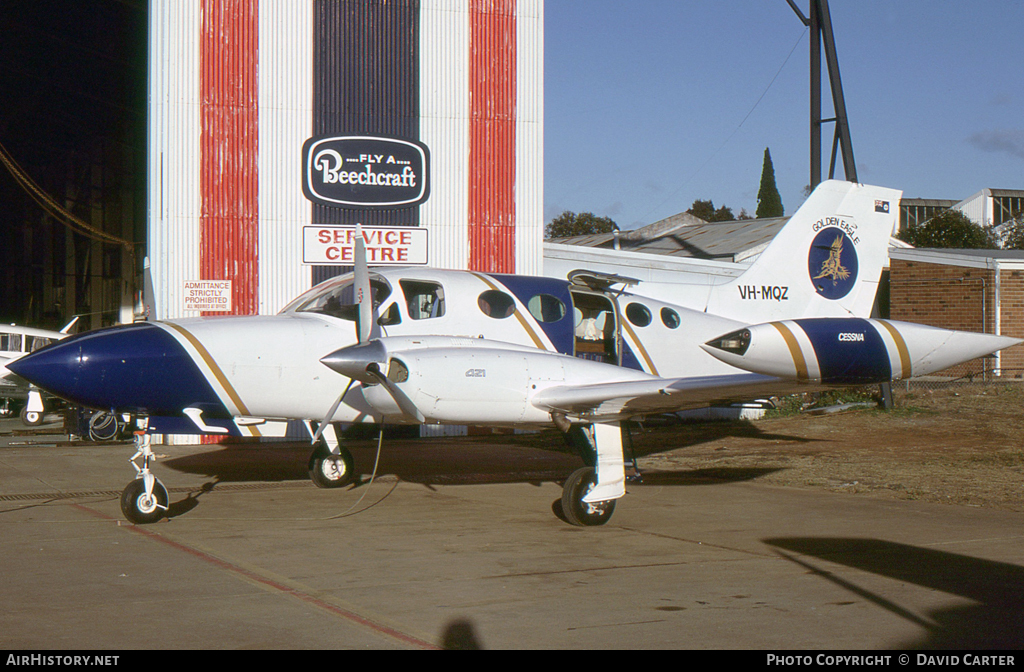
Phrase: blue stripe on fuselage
[629,359]
[525,287]
[849,351]
[136,368]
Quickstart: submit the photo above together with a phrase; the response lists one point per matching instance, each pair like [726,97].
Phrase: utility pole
[820,23]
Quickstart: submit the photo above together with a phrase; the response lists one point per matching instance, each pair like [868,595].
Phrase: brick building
[969,290]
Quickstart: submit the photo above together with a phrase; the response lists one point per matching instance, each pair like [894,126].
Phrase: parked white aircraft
[16,342]
[468,348]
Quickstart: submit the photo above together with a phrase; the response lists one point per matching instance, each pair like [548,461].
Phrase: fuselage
[269,366]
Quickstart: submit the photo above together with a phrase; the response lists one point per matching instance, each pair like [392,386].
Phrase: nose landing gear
[144,500]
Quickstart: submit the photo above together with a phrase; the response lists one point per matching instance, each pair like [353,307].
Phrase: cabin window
[670,318]
[496,304]
[339,300]
[10,342]
[638,314]
[546,308]
[390,317]
[423,300]
[37,342]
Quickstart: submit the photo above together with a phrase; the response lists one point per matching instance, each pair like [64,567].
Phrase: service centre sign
[385,246]
[365,172]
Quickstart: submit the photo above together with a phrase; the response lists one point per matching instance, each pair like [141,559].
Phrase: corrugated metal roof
[680,236]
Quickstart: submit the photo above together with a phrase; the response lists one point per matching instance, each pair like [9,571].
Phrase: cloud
[1008,141]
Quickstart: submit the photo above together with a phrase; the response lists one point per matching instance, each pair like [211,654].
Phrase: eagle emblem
[832,267]
[832,264]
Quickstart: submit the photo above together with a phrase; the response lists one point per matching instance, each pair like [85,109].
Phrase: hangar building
[274,124]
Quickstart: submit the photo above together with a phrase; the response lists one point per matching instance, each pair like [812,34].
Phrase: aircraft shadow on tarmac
[440,463]
[456,461]
[995,622]
[667,435]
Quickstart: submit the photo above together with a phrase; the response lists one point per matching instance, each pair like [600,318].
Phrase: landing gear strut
[331,465]
[32,414]
[145,499]
[589,494]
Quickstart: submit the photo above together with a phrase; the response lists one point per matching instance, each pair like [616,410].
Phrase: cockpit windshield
[337,299]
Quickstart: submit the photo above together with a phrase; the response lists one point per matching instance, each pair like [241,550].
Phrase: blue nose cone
[137,368]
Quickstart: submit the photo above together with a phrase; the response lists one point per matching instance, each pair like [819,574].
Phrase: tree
[570,224]
[706,210]
[1013,233]
[769,203]
[950,229]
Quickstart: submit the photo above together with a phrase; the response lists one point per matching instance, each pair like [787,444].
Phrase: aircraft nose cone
[138,368]
[54,368]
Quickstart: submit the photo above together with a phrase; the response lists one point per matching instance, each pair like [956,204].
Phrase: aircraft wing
[610,401]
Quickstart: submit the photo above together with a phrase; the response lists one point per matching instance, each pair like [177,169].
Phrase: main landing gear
[590,493]
[579,512]
[331,465]
[145,499]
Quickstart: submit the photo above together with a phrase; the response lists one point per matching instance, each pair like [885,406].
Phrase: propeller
[365,319]
[366,324]
[363,361]
[330,414]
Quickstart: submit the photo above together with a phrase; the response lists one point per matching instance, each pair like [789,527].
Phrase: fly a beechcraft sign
[361,171]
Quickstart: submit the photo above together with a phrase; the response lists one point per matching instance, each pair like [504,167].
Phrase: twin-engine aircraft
[15,342]
[583,354]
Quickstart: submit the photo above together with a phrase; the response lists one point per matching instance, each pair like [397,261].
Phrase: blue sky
[651,104]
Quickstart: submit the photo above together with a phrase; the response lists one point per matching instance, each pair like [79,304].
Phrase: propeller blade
[330,413]
[401,398]
[363,291]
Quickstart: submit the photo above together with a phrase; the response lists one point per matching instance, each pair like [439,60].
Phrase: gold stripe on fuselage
[640,346]
[901,348]
[218,374]
[519,316]
[794,350]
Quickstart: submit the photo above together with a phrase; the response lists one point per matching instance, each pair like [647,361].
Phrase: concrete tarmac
[456,544]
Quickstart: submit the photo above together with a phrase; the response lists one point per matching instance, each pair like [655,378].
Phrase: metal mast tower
[820,23]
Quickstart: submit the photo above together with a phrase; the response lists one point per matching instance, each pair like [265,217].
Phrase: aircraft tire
[138,508]
[327,470]
[575,510]
[31,418]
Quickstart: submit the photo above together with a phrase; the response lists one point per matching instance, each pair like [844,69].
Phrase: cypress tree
[769,203]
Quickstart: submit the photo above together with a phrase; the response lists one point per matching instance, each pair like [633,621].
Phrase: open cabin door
[596,315]
[596,327]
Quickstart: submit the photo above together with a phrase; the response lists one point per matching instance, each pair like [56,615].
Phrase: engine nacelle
[481,384]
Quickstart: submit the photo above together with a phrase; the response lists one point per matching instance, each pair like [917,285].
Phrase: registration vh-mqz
[415,345]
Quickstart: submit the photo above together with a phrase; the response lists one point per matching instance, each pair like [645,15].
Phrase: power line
[53,208]
[733,134]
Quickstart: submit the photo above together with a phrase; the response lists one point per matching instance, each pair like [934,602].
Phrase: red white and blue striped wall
[237,87]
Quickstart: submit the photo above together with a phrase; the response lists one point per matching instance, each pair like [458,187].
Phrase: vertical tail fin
[825,262]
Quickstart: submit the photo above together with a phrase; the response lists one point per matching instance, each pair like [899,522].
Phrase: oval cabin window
[496,304]
[638,314]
